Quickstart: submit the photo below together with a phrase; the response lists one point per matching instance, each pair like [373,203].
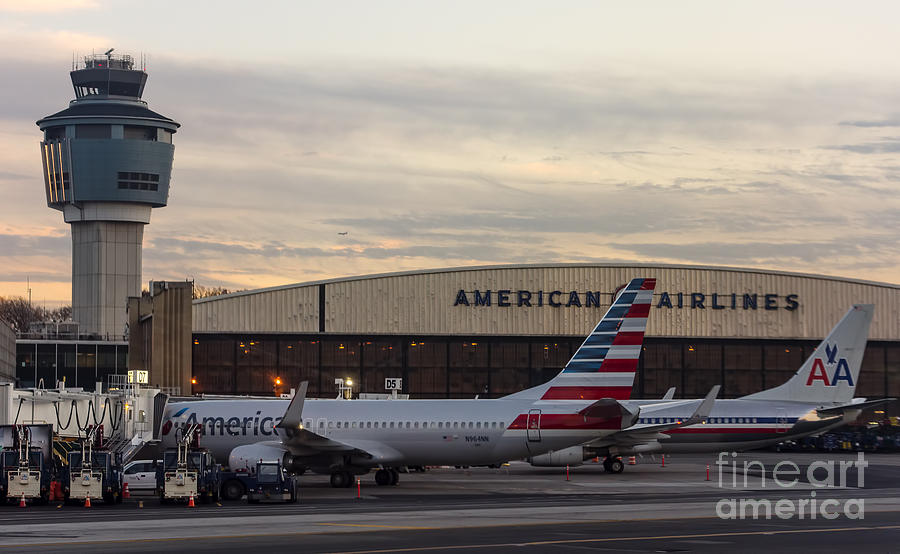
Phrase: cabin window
[440,424]
[392,425]
[416,425]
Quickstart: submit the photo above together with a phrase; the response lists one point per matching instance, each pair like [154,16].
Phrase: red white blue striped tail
[605,364]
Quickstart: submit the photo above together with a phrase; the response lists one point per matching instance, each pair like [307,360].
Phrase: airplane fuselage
[740,424]
[400,432]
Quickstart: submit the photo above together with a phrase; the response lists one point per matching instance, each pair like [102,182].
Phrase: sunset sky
[439,134]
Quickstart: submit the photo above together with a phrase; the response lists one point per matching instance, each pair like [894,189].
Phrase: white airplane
[817,398]
[350,437]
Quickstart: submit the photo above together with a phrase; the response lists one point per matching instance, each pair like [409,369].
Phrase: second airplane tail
[830,374]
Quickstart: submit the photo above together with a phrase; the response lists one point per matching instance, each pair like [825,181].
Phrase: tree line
[19,313]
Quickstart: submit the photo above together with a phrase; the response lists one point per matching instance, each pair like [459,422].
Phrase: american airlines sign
[506,298]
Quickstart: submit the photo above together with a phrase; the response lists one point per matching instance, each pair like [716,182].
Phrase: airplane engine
[572,456]
[245,457]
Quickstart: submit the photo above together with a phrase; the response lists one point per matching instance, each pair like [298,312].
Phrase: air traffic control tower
[107,163]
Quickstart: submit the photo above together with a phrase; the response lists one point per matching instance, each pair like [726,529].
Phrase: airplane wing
[303,442]
[646,433]
[609,408]
[863,405]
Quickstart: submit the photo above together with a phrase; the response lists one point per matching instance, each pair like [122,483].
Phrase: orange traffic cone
[191,501]
[22,501]
[87,501]
[125,494]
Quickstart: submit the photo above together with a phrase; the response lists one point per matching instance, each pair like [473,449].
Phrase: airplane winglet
[292,418]
[706,406]
[670,394]
[702,412]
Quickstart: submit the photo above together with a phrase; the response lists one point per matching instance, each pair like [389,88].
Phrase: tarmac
[648,508]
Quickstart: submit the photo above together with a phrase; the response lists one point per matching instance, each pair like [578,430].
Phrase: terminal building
[491,331]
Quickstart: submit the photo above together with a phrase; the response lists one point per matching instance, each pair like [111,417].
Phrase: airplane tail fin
[830,374]
[605,364]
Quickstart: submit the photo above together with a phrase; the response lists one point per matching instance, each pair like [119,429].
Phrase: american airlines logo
[506,298]
[233,426]
[841,369]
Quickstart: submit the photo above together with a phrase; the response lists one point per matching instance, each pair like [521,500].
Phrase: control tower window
[139,133]
[93,131]
[165,135]
[55,133]
[133,180]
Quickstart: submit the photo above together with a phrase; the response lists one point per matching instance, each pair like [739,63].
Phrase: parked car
[140,475]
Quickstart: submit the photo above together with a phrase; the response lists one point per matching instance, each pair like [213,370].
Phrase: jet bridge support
[127,415]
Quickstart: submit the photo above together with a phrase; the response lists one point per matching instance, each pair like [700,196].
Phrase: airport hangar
[494,330]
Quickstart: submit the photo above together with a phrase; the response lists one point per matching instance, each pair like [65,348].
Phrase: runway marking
[494,545]
[623,539]
[378,526]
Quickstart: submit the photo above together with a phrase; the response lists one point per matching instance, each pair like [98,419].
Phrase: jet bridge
[127,415]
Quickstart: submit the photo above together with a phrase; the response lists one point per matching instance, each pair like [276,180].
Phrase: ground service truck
[27,462]
[188,471]
[93,472]
[269,481]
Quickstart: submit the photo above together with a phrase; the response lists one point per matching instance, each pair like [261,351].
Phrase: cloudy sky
[436,134]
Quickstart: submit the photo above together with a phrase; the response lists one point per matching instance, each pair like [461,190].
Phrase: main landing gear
[389,476]
[613,465]
[341,479]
